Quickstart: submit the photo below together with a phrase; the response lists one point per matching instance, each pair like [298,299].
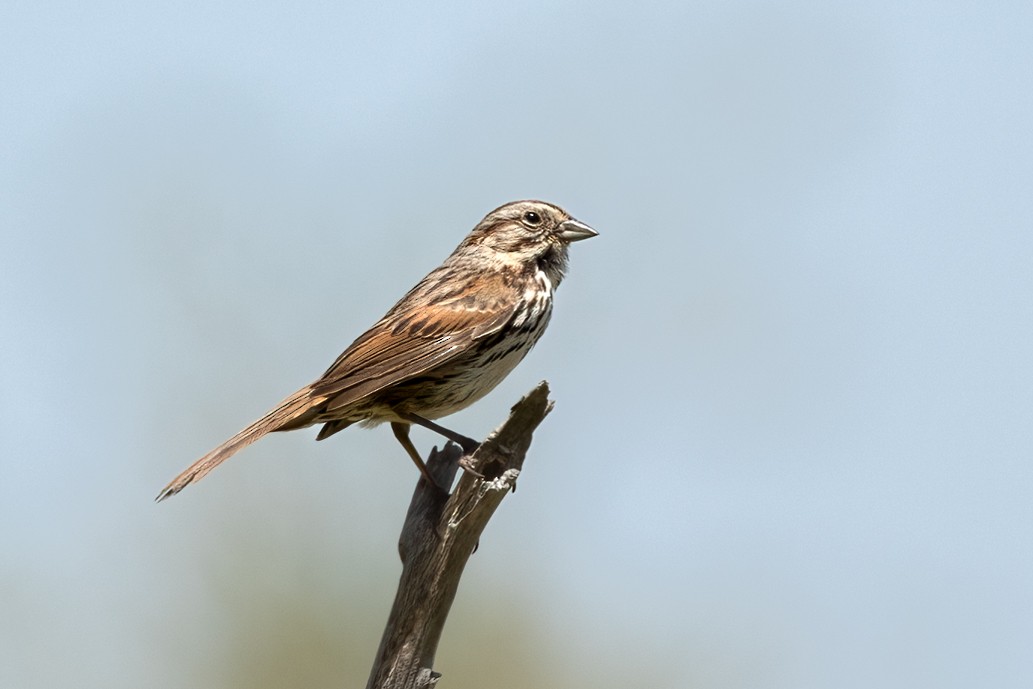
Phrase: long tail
[291,409]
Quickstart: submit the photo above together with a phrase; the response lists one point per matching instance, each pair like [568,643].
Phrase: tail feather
[288,411]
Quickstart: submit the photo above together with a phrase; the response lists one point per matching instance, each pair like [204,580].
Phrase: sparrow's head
[529,233]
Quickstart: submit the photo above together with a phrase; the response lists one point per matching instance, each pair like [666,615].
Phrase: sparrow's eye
[532,219]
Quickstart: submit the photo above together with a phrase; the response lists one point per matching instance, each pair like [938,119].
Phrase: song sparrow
[446,344]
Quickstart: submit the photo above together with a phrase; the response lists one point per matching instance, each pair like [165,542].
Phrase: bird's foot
[467,465]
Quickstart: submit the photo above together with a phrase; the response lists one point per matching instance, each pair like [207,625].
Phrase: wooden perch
[441,532]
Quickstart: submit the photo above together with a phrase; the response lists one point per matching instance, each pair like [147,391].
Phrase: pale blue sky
[792,438]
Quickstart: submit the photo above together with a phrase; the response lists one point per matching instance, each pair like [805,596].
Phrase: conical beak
[574,231]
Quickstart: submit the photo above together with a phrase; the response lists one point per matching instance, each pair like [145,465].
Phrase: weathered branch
[441,532]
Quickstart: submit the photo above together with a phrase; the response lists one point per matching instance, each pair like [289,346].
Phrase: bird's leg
[469,445]
[401,431]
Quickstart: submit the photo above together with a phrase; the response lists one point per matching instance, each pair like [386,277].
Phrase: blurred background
[792,437]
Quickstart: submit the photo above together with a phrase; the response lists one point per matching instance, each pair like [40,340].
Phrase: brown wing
[414,338]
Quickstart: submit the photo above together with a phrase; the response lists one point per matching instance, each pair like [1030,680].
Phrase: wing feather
[411,340]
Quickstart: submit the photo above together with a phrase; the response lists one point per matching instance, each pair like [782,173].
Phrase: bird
[446,344]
